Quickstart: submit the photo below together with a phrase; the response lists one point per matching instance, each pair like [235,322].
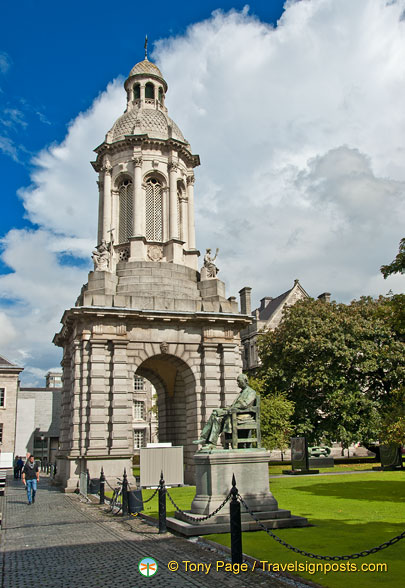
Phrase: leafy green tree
[339,364]
[398,265]
[393,419]
[275,412]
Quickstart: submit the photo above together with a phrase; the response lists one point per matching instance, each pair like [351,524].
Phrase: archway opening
[174,383]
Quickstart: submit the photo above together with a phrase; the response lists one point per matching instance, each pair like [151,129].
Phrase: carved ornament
[164,347]
[155,252]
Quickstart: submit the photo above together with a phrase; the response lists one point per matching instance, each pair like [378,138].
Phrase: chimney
[325,297]
[245,300]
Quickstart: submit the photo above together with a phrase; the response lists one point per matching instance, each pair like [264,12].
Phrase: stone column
[76,387]
[107,202]
[65,412]
[120,402]
[191,227]
[173,227]
[114,216]
[100,227]
[142,93]
[97,416]
[139,203]
[84,393]
[184,220]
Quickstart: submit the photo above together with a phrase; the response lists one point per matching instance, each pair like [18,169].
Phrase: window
[149,91]
[154,210]
[1,432]
[139,438]
[126,210]
[139,383]
[137,91]
[2,397]
[161,95]
[139,410]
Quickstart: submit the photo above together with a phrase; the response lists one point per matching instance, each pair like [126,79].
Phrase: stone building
[145,425]
[267,317]
[38,419]
[9,384]
[146,309]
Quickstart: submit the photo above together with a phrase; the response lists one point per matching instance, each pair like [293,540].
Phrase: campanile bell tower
[146,311]
[146,178]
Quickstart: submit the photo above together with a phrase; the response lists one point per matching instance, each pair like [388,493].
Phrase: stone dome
[146,67]
[154,123]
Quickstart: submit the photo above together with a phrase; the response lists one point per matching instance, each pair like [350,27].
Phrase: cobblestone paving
[60,542]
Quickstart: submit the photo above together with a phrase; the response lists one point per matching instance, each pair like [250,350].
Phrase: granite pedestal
[214,470]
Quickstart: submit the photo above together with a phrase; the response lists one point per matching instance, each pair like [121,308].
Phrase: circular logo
[147,566]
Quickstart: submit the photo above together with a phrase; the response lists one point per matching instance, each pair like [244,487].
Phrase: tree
[398,265]
[275,417]
[393,419]
[340,365]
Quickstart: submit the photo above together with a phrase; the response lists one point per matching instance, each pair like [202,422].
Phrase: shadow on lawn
[373,490]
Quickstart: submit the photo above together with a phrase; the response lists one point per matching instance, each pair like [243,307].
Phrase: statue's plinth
[214,470]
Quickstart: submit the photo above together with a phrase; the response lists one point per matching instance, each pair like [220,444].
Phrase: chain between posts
[199,519]
[364,553]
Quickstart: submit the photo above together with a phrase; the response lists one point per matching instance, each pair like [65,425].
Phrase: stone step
[208,527]
[245,516]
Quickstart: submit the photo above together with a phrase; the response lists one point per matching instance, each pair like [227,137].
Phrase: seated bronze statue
[220,420]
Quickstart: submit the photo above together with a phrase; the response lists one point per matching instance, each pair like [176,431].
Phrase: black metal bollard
[236,525]
[102,485]
[162,505]
[125,494]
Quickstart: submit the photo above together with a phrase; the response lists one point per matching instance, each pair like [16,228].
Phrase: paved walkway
[60,542]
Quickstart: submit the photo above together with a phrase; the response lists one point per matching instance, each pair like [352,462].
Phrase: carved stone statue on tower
[209,269]
[101,257]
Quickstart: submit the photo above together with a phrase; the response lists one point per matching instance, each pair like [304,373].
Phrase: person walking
[20,465]
[16,466]
[30,478]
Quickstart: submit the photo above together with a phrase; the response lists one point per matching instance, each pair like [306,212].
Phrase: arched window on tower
[154,210]
[126,212]
[161,95]
[137,91]
[149,90]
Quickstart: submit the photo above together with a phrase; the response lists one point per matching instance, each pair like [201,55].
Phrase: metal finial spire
[146,47]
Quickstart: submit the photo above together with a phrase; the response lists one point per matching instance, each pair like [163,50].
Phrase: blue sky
[297,115]
[58,56]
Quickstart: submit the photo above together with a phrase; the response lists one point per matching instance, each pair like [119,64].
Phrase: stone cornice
[79,312]
[142,141]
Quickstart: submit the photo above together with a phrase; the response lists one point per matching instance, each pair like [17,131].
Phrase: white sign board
[6,460]
[154,460]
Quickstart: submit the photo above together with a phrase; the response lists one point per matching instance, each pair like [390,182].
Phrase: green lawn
[350,513]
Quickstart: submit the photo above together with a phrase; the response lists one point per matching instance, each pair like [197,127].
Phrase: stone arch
[175,385]
[120,177]
[154,173]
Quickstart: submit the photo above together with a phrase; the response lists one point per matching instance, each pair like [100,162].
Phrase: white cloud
[301,132]
[8,147]
[5,62]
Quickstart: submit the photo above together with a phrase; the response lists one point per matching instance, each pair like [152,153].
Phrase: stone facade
[38,420]
[9,384]
[267,317]
[146,310]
